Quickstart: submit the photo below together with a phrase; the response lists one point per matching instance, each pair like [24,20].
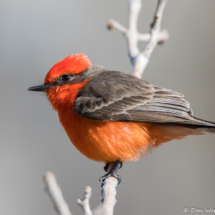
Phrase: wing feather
[117,96]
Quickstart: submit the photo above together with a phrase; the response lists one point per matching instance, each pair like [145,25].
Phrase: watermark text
[199,210]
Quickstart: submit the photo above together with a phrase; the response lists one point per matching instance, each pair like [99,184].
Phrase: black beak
[41,88]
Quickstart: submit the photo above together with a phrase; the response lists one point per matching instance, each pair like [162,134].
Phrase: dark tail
[207,129]
[202,125]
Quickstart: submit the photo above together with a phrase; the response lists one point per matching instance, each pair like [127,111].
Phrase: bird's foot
[108,175]
[112,172]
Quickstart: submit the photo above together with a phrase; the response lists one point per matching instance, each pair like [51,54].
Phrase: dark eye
[65,77]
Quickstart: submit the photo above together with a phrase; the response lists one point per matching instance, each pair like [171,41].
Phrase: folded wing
[117,96]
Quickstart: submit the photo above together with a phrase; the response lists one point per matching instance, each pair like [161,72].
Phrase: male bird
[113,116]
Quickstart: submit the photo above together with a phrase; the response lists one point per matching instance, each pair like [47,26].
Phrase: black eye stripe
[65,77]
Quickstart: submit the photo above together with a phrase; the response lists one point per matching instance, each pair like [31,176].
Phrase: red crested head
[73,64]
[63,82]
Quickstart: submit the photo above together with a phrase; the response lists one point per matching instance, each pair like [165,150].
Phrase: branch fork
[85,202]
[139,59]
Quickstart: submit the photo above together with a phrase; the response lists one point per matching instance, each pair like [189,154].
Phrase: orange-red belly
[109,141]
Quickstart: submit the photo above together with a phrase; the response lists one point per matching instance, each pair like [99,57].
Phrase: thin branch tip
[85,202]
[55,194]
[110,25]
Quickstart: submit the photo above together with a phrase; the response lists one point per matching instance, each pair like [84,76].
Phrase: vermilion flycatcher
[113,116]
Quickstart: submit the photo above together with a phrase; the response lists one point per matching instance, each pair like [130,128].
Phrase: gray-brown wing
[117,96]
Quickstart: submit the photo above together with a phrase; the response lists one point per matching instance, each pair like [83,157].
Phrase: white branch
[84,203]
[140,60]
[109,192]
[162,37]
[55,194]
[112,24]
[155,28]
[143,59]
[132,36]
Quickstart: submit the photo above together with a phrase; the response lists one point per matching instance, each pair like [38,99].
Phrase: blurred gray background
[37,34]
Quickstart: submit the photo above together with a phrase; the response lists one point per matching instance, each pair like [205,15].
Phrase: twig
[162,37]
[143,59]
[84,203]
[155,30]
[140,60]
[55,194]
[132,36]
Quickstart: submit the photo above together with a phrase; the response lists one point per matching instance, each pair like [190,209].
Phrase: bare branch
[109,192]
[155,28]
[112,24]
[55,193]
[143,59]
[84,203]
[140,60]
[132,36]
[162,37]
